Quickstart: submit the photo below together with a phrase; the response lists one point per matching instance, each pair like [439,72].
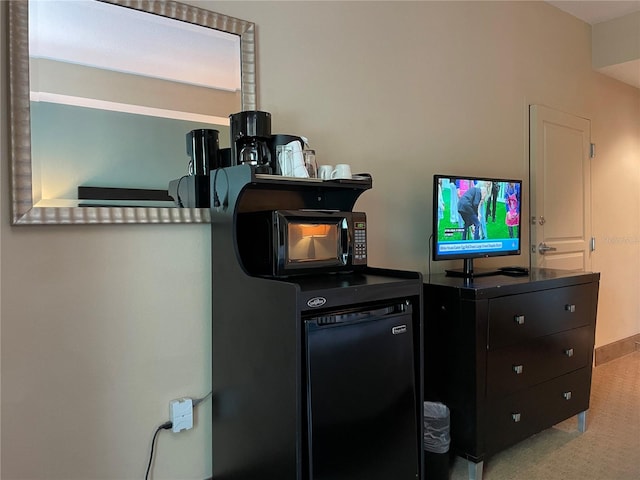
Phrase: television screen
[475,217]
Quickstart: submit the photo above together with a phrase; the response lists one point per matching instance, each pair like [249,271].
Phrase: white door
[560,175]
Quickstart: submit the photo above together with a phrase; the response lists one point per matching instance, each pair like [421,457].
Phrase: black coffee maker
[250,133]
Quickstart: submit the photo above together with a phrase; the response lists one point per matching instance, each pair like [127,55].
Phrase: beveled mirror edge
[23,210]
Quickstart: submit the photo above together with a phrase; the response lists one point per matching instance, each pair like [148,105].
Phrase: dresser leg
[582,422]
[475,470]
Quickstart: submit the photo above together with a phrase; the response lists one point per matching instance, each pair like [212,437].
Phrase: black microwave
[279,243]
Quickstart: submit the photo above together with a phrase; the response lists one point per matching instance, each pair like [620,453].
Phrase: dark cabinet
[315,377]
[510,356]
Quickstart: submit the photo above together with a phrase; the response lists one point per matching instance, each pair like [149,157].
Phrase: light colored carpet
[608,450]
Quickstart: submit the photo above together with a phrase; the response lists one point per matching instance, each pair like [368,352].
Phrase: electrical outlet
[181,414]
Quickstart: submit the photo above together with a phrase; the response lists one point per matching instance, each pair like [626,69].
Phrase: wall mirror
[102,95]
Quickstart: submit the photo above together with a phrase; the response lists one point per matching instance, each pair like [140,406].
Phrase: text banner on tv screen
[454,248]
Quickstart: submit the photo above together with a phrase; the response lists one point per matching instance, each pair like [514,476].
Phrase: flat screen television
[475,217]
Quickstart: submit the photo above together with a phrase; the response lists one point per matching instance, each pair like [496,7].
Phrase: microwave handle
[344,236]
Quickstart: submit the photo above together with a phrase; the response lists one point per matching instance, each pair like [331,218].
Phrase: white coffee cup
[324,172]
[342,170]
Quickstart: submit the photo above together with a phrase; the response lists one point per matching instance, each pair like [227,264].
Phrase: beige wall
[616,41]
[62,78]
[103,326]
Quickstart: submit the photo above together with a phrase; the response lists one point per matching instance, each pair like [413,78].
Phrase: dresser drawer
[515,318]
[518,416]
[516,367]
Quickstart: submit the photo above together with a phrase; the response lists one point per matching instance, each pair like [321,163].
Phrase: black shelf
[258,329]
[239,190]
[227,184]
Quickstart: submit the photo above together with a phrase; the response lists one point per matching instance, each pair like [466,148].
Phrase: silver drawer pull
[519,319]
[569,352]
[518,369]
[515,417]
[567,395]
[570,308]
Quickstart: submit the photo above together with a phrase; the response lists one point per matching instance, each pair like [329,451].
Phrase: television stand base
[480,272]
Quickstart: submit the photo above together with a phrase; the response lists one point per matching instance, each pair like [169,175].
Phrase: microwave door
[312,244]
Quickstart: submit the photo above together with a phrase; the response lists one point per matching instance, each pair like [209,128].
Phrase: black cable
[164,426]
[429,256]
[198,401]
[178,191]
[216,200]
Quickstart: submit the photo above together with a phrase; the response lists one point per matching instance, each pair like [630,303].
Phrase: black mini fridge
[360,399]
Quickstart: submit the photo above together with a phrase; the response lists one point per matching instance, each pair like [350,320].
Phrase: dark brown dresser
[509,356]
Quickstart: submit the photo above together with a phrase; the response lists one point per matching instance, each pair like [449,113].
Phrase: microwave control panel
[359,242]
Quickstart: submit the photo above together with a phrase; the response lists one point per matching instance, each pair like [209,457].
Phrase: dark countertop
[493,285]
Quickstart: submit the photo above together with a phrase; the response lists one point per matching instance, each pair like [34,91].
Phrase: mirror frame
[24,212]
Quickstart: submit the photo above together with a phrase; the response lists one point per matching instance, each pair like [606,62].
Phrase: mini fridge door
[361,395]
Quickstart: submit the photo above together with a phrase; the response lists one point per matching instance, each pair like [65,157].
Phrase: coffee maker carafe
[250,133]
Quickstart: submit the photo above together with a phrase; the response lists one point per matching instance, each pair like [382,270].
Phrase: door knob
[544,248]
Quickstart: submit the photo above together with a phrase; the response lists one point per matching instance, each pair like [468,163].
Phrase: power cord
[216,199]
[178,191]
[429,255]
[198,401]
[164,426]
